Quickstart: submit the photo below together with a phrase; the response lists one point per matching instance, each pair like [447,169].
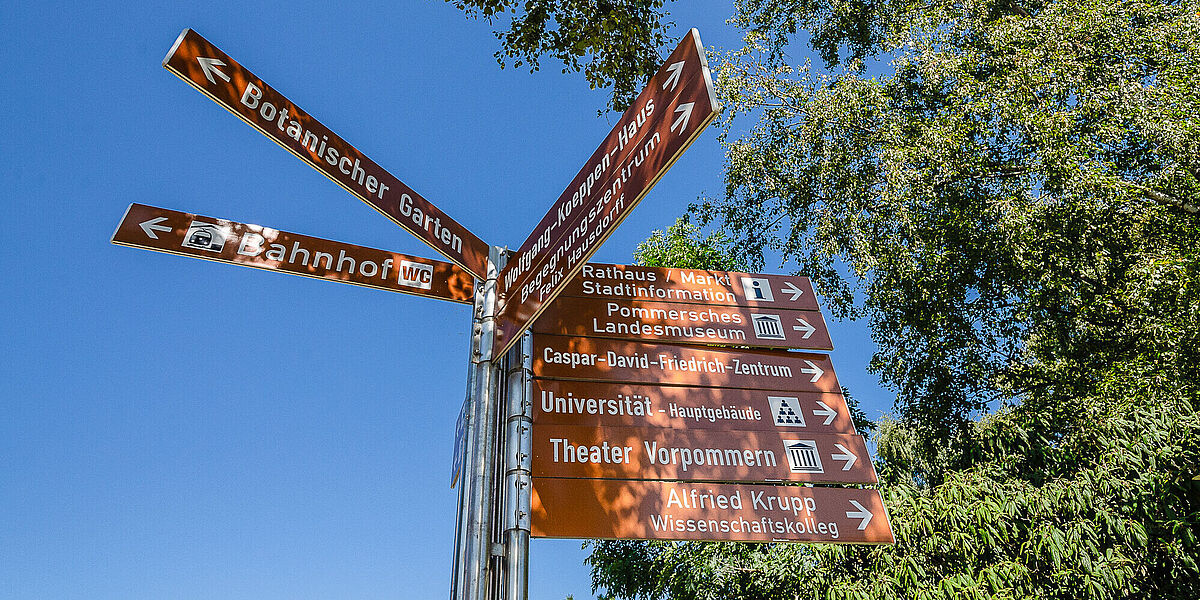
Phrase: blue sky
[175,428]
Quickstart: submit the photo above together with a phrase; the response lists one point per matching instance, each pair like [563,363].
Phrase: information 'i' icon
[757,288]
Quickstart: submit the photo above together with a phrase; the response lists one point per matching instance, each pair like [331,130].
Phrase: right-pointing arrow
[685,114]
[848,456]
[828,413]
[861,513]
[673,79]
[816,371]
[790,288]
[804,326]
[153,225]
[209,65]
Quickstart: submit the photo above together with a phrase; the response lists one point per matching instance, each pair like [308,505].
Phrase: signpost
[671,510]
[710,288]
[256,246]
[594,427]
[595,404]
[208,69]
[592,359]
[702,454]
[662,122]
[622,421]
[689,323]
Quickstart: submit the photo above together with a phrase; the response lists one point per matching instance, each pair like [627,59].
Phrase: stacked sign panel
[670,510]
[693,439]
[666,117]
[230,242]
[217,75]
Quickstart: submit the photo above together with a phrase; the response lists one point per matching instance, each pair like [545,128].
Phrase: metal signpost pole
[467,455]
[473,546]
[518,482]
[494,573]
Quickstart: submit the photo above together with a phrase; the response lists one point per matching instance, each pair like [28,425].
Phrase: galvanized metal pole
[496,571]
[457,573]
[518,485]
[473,529]
[493,587]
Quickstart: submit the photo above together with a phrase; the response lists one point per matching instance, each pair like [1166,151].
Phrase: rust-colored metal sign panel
[688,323]
[208,69]
[594,359]
[225,241]
[699,454]
[595,404]
[662,122]
[656,510]
[725,288]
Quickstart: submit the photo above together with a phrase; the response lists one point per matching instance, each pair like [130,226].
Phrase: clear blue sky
[175,428]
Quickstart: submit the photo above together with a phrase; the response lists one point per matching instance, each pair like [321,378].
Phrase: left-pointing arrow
[210,68]
[153,225]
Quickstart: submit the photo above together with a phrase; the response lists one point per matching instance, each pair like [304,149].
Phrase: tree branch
[1161,197]
[1020,10]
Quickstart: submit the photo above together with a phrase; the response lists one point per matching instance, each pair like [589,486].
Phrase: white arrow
[828,413]
[210,67]
[673,79]
[153,225]
[807,329]
[861,513]
[790,288]
[686,109]
[816,371]
[849,457]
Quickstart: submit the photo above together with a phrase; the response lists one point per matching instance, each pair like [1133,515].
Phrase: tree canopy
[614,42]
[992,196]
[1008,192]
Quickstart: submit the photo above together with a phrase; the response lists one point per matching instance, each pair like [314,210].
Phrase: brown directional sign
[594,359]
[208,69]
[659,284]
[595,404]
[690,323]
[704,455]
[256,246]
[659,510]
[662,122]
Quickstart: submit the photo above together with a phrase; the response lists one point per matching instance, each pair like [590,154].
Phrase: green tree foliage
[1008,191]
[685,246]
[616,40]
[1009,194]
[1013,180]
[1109,515]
